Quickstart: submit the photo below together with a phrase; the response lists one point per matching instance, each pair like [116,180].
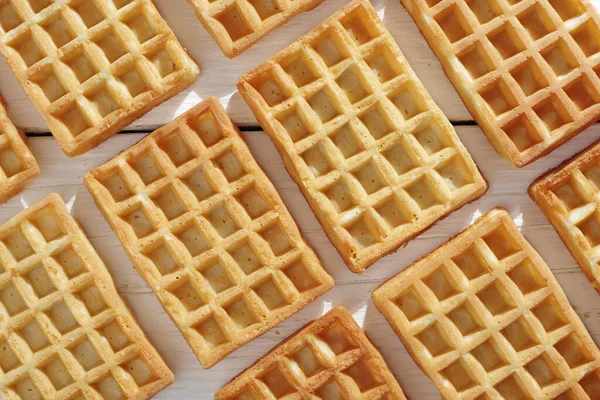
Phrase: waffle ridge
[569,197]
[17,164]
[484,317]
[64,330]
[236,25]
[527,70]
[207,230]
[331,357]
[372,153]
[92,67]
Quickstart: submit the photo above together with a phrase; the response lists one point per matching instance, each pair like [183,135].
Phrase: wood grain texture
[507,188]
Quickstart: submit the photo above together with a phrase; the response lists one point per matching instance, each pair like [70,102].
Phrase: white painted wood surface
[507,188]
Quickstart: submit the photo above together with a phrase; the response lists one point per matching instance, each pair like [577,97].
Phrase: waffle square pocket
[330,358]
[237,25]
[64,330]
[528,71]
[484,318]
[569,197]
[206,229]
[17,164]
[374,156]
[92,67]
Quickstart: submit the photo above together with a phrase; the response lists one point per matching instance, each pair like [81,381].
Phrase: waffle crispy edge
[294,162]
[437,41]
[541,192]
[338,315]
[137,346]
[18,142]
[570,340]
[321,281]
[63,66]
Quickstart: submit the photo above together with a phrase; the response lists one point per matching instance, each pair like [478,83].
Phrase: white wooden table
[507,188]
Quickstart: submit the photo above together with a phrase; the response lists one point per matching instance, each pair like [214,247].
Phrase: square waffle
[65,333]
[92,67]
[206,229]
[17,165]
[236,25]
[373,154]
[331,358]
[528,70]
[484,318]
[569,196]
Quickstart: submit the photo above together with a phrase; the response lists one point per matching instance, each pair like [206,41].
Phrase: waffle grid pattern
[484,317]
[238,24]
[65,332]
[17,164]
[569,196]
[528,70]
[206,229]
[372,153]
[92,67]
[331,358]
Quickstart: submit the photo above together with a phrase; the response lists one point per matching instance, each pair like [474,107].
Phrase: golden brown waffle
[331,358]
[65,333]
[236,25]
[373,154]
[206,229]
[484,318]
[528,70]
[17,165]
[569,196]
[92,67]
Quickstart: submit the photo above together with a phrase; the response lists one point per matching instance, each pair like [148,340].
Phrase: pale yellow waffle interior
[329,359]
[206,229]
[569,196]
[376,157]
[484,316]
[89,64]
[529,70]
[17,164]
[65,333]
[237,25]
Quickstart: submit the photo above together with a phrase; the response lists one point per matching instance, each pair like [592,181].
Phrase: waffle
[373,154]
[527,70]
[206,229]
[236,25]
[92,67]
[569,197]
[331,358]
[64,330]
[484,318]
[17,165]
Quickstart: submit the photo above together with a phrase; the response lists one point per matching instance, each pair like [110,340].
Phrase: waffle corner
[93,68]
[376,159]
[527,71]
[483,315]
[334,355]
[63,320]
[567,197]
[206,229]
[17,164]
[237,26]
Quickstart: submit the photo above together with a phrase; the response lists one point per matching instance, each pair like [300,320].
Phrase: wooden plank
[219,74]
[507,188]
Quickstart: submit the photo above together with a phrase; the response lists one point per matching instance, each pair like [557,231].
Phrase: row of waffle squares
[528,70]
[171,169]
[482,316]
